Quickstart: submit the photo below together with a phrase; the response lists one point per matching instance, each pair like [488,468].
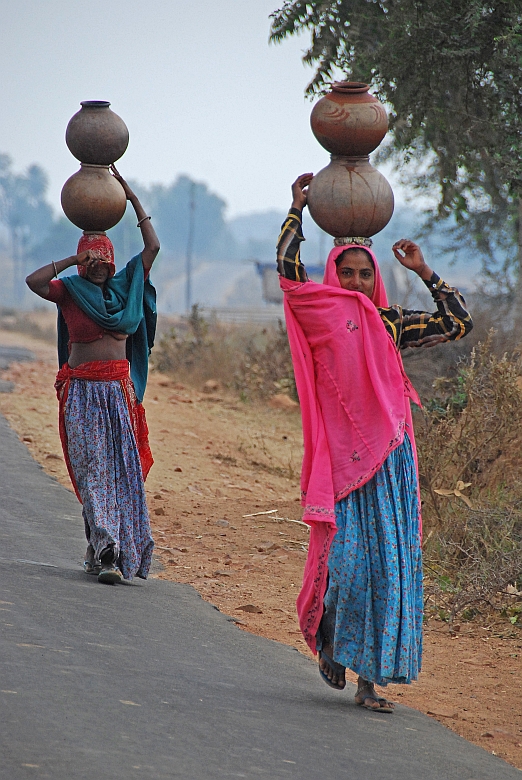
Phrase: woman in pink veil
[360,605]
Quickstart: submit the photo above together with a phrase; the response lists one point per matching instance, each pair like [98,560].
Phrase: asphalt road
[149,681]
[7,356]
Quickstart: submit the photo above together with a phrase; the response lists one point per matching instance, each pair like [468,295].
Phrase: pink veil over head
[379,297]
[354,398]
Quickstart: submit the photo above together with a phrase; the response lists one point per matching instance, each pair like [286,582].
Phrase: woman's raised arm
[38,281]
[151,245]
[288,255]
[411,328]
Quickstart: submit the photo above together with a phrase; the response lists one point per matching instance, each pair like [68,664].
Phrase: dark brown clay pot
[96,135]
[349,120]
[93,199]
[350,198]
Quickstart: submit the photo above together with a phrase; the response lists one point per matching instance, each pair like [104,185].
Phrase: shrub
[265,367]
[253,362]
[468,441]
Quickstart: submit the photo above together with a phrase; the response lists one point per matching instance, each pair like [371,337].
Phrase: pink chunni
[354,398]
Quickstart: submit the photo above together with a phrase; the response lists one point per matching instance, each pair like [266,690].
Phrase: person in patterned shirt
[408,328]
[361,602]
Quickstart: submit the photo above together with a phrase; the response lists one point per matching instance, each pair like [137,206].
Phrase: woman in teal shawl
[106,326]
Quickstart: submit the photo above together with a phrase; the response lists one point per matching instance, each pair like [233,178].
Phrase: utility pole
[126,237]
[190,245]
[322,236]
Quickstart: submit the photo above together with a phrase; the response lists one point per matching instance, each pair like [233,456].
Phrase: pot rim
[352,87]
[350,157]
[94,103]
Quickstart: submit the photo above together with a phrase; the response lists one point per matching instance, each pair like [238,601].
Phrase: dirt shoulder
[223,496]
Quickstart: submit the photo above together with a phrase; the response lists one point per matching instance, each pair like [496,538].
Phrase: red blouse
[81,328]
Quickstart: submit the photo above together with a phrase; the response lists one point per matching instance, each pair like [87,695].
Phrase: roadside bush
[471,429]
[474,561]
[468,440]
[251,361]
[265,367]
[190,351]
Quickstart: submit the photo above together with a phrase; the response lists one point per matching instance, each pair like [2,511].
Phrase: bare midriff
[111,346]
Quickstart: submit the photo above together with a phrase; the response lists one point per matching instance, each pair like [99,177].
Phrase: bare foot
[368,697]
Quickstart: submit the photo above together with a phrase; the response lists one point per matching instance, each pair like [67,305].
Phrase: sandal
[335,667]
[370,693]
[109,573]
[91,568]
[91,565]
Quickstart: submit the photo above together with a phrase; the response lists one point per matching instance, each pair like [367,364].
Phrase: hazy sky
[200,88]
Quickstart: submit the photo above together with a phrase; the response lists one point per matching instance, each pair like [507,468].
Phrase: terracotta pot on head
[96,135]
[350,197]
[93,199]
[349,120]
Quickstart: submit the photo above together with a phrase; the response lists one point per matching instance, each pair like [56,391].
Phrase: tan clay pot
[96,135]
[93,199]
[349,120]
[350,198]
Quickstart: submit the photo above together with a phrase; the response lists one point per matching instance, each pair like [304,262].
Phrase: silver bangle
[55,269]
[142,220]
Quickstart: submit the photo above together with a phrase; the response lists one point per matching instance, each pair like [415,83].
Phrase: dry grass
[469,464]
[254,363]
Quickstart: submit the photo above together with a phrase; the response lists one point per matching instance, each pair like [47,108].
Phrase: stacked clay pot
[350,197]
[92,198]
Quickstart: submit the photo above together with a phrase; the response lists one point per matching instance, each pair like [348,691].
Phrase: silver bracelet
[142,220]
[55,269]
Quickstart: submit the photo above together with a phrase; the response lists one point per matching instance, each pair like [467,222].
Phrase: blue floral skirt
[106,464]
[374,604]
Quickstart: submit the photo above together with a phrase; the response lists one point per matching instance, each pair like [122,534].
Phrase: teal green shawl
[125,304]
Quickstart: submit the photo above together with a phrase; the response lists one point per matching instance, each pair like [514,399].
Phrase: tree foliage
[171,207]
[23,208]
[24,215]
[451,71]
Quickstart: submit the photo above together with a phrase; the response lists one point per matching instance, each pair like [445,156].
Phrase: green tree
[25,213]
[171,205]
[451,72]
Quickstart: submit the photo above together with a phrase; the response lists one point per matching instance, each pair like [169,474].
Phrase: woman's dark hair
[352,250]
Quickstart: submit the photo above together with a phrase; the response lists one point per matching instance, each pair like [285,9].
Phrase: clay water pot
[349,120]
[93,199]
[96,135]
[350,198]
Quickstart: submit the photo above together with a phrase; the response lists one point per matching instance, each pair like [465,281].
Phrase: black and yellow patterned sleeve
[450,322]
[288,248]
